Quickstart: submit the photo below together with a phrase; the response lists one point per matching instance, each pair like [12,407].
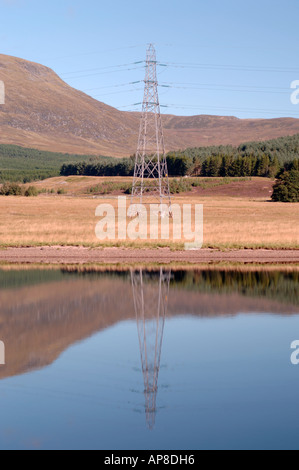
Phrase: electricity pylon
[150,173]
[150,294]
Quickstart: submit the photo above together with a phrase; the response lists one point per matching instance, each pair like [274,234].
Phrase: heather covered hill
[43,112]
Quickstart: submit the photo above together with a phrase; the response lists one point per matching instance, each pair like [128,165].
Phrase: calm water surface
[149,360]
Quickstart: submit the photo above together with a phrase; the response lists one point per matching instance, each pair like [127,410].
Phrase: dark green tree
[286,188]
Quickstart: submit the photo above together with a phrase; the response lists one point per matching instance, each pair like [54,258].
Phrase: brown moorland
[234,216]
[42,111]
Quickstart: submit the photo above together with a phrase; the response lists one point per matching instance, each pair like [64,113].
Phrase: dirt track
[80,255]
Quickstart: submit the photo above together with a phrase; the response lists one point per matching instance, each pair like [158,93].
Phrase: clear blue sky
[244,55]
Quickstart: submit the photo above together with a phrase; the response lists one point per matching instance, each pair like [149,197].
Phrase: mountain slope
[42,111]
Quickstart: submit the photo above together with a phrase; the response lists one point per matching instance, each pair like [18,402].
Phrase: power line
[240,110]
[189,86]
[215,84]
[122,91]
[129,105]
[113,86]
[226,88]
[103,73]
[222,45]
[97,52]
[204,86]
[104,68]
[245,68]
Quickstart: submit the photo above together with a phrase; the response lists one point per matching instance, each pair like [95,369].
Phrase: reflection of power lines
[150,293]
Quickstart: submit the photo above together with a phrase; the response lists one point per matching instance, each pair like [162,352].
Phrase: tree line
[276,285]
[124,167]
[283,148]
[180,165]
[264,159]
[23,165]
[250,159]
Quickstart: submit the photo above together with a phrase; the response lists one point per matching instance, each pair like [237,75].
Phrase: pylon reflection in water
[150,293]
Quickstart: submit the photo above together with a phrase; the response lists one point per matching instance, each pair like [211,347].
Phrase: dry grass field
[230,221]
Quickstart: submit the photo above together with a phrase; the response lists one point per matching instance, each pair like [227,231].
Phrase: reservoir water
[143,359]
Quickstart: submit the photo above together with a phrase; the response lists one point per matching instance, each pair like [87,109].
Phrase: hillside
[22,164]
[43,112]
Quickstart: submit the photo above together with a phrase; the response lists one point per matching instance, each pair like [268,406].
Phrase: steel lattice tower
[150,173]
[150,293]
